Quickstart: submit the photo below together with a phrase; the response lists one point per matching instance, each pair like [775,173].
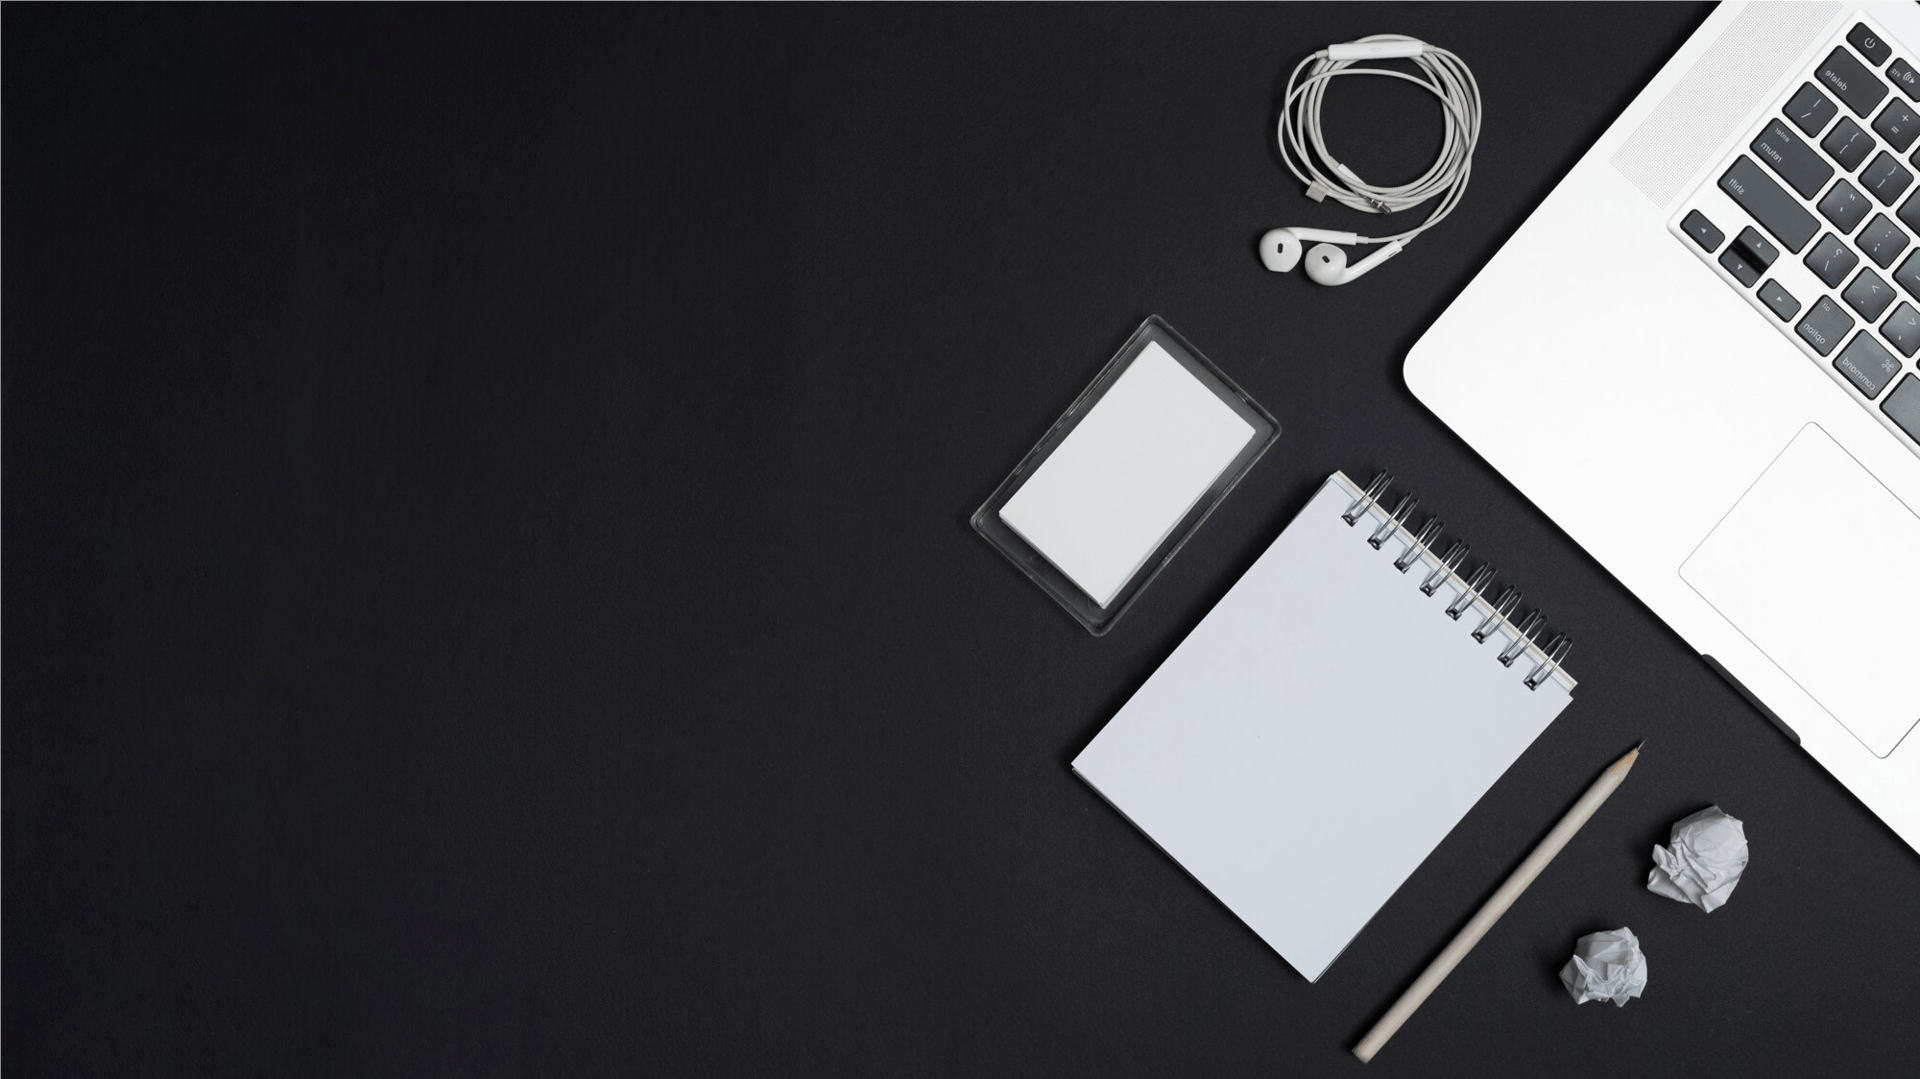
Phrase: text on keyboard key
[1786,153]
[1871,45]
[1844,76]
[1868,366]
[1831,260]
[1882,241]
[1902,406]
[1810,110]
[1779,301]
[1903,76]
[1886,179]
[1868,295]
[1771,205]
[1902,329]
[1844,206]
[1824,326]
[1897,124]
[1848,143]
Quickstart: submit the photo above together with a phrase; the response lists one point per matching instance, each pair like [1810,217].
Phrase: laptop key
[1852,83]
[1902,330]
[1779,301]
[1868,295]
[1885,178]
[1848,143]
[1908,275]
[1831,260]
[1897,124]
[1748,256]
[1868,366]
[1882,241]
[1902,406]
[1754,247]
[1824,326]
[1871,45]
[1799,164]
[1771,205]
[1843,206]
[1696,225]
[1910,212]
[1810,110]
[1903,76]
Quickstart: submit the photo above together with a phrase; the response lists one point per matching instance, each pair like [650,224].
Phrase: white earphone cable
[1442,74]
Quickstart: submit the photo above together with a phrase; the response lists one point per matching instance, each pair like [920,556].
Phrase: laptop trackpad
[1815,565]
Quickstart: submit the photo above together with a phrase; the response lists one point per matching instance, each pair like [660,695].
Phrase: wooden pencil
[1490,913]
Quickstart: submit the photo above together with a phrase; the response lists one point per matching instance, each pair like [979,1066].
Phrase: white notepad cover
[1318,734]
[1122,479]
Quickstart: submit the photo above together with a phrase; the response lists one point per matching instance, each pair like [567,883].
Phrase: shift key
[1789,155]
[1777,211]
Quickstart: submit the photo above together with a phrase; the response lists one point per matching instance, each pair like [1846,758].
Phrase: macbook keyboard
[1818,226]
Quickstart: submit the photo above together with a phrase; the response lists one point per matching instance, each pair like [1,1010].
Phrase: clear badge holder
[1097,614]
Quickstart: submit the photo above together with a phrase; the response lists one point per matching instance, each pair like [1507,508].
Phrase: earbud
[1280,248]
[1327,264]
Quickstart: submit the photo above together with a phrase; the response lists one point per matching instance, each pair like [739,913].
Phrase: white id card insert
[1126,475]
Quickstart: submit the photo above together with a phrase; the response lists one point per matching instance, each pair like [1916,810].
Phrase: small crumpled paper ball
[1608,965]
[1707,857]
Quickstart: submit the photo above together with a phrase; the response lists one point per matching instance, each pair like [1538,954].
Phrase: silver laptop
[1698,357]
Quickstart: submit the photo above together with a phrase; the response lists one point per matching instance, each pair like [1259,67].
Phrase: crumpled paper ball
[1608,965]
[1707,857]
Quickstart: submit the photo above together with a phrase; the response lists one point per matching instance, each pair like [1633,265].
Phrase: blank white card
[1120,481]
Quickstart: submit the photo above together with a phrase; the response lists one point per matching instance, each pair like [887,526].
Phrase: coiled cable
[1303,146]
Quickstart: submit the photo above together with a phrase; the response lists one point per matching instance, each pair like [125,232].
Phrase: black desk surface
[488,589]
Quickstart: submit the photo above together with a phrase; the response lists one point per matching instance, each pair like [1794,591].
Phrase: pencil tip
[1637,745]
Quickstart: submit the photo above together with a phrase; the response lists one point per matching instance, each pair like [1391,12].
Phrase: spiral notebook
[1328,723]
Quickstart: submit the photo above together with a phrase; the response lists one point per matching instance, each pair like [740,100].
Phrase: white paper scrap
[1608,965]
[1120,481]
[1707,857]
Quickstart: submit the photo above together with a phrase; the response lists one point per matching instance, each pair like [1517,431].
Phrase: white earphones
[1441,73]
[1327,264]
[1280,248]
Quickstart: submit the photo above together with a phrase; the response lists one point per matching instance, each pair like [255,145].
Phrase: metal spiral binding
[1455,555]
[1509,599]
[1392,525]
[1463,602]
[1360,505]
[1503,612]
[1428,533]
[1519,646]
[1555,652]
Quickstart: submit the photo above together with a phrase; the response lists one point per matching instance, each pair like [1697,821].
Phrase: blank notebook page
[1318,734]
[1120,481]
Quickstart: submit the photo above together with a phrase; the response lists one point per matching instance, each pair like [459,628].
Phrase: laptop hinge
[1751,699]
